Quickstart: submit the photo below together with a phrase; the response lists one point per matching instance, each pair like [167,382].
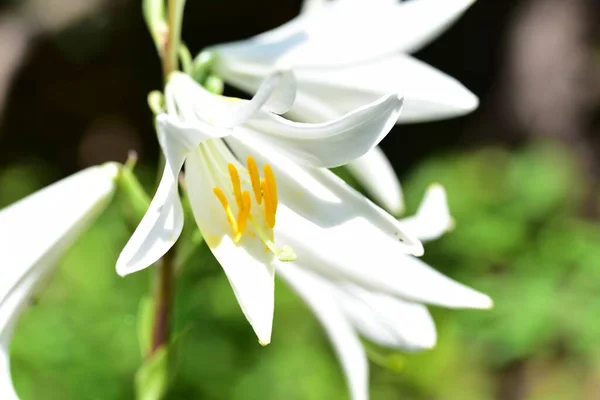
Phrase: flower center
[265,194]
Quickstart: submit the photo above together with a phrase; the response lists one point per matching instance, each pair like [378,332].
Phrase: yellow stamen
[223,200]
[243,215]
[264,189]
[237,186]
[270,179]
[254,178]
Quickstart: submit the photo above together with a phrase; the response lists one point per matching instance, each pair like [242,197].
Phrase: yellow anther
[243,215]
[223,200]
[254,178]
[270,179]
[269,204]
[237,186]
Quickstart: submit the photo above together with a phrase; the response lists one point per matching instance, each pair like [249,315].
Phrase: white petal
[334,143]
[345,341]
[363,31]
[352,252]
[433,216]
[158,230]
[375,173]
[35,232]
[190,100]
[386,320]
[428,93]
[327,93]
[161,226]
[247,265]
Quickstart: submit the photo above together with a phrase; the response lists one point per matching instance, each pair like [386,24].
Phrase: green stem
[164,290]
[163,303]
[175,19]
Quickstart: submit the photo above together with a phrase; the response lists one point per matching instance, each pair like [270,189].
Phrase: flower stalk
[164,290]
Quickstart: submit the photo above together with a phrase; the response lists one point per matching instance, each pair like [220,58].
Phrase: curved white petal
[162,224]
[375,173]
[317,294]
[327,93]
[191,101]
[248,266]
[340,234]
[36,229]
[386,320]
[429,94]
[433,217]
[333,143]
[363,31]
[35,232]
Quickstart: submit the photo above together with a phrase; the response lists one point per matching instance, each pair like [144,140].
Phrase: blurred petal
[429,94]
[327,93]
[249,268]
[163,222]
[36,231]
[363,31]
[187,98]
[433,218]
[345,341]
[375,173]
[424,20]
[386,320]
[333,143]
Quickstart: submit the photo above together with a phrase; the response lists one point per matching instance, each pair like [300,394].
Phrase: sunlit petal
[342,335]
[333,143]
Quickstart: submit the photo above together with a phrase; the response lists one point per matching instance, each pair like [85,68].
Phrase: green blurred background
[521,175]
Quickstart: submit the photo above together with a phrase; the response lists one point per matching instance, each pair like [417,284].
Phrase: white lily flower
[391,318]
[251,223]
[346,53]
[34,233]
